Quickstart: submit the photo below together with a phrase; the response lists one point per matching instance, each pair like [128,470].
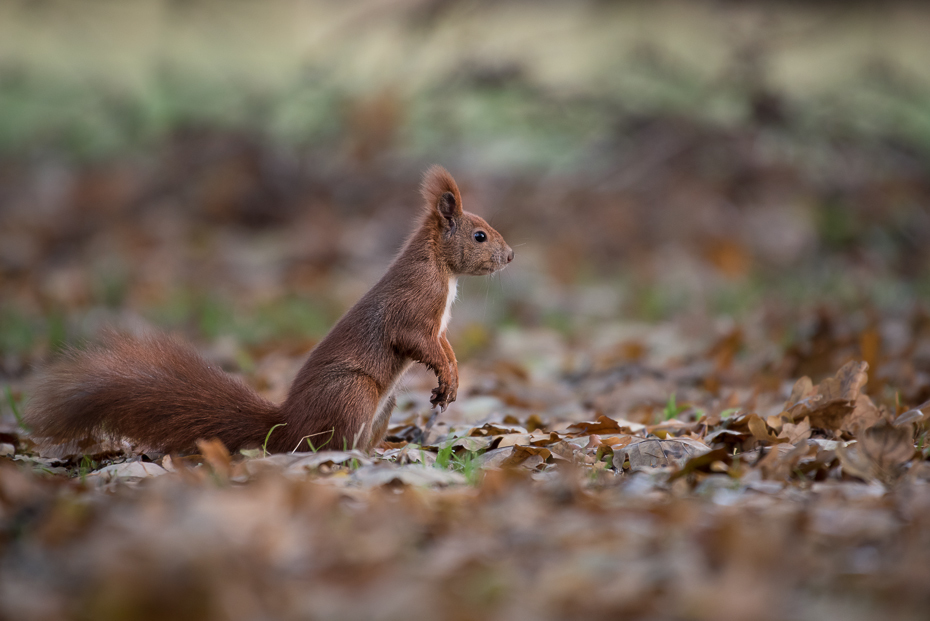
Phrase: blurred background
[242,171]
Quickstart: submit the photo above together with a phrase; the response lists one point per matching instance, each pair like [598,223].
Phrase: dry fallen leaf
[128,471]
[880,454]
[411,474]
[863,416]
[802,389]
[909,417]
[846,384]
[302,462]
[217,456]
[779,462]
[761,432]
[513,439]
[605,425]
[656,453]
[700,462]
[492,429]
[472,443]
[726,436]
[796,432]
[527,456]
[830,403]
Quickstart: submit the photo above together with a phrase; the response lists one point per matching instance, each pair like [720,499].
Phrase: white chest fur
[450,298]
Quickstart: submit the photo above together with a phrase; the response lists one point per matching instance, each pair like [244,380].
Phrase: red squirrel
[162,395]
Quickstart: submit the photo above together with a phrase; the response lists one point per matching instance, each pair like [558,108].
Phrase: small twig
[307,438]
[358,436]
[429,425]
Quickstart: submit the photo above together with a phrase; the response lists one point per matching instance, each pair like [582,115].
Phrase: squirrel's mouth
[489,268]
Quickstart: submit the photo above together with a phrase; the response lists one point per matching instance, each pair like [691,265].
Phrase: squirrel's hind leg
[382,419]
[336,415]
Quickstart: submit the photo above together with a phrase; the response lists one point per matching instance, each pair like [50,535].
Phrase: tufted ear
[440,192]
[448,206]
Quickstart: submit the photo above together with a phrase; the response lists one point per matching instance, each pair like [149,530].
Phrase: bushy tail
[152,390]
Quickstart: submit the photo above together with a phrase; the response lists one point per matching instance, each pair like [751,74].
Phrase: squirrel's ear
[441,193]
[447,205]
[449,209]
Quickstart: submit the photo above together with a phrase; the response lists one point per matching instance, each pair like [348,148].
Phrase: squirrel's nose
[510,256]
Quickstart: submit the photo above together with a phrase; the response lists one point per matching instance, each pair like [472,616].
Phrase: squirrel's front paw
[443,395]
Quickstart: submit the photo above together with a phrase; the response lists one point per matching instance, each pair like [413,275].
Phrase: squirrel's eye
[480,236]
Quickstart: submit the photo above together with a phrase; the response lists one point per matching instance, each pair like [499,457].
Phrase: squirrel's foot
[443,395]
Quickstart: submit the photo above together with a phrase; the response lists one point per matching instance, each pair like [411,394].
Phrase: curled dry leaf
[887,446]
[781,460]
[725,436]
[880,453]
[412,474]
[672,427]
[470,443]
[128,471]
[512,439]
[702,461]
[312,461]
[617,442]
[567,450]
[829,416]
[829,404]
[217,456]
[494,459]
[864,415]
[854,463]
[491,429]
[761,432]
[909,418]
[846,384]
[655,453]
[796,432]
[802,389]
[605,425]
[408,454]
[778,422]
[526,456]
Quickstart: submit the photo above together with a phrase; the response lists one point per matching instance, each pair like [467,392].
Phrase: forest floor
[701,390]
[559,485]
[663,414]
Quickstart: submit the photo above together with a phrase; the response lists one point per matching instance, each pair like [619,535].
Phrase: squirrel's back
[151,388]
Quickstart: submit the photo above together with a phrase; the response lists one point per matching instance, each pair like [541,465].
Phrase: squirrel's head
[467,242]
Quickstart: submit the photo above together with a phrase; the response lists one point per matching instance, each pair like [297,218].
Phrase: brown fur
[151,389]
[161,394]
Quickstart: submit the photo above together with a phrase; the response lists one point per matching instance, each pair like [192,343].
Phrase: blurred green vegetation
[509,83]
[511,124]
[212,316]
[206,314]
